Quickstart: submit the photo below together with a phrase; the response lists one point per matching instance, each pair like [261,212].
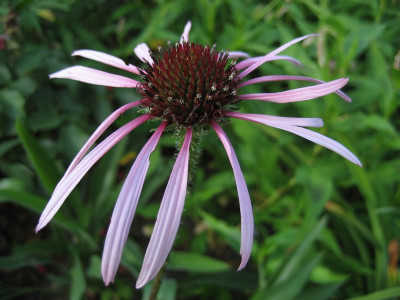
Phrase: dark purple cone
[189,84]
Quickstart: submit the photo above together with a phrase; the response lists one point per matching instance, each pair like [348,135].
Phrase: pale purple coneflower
[187,85]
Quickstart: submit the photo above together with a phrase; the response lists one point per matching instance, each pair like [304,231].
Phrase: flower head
[186,85]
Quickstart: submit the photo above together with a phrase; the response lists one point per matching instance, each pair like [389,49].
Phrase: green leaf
[12,105]
[31,60]
[351,221]
[318,189]
[324,275]
[7,146]
[380,295]
[378,123]
[194,262]
[19,260]
[17,292]
[322,292]
[167,290]
[5,75]
[243,280]
[295,258]
[36,203]
[230,233]
[132,257]
[25,85]
[41,161]
[78,280]
[94,268]
[291,286]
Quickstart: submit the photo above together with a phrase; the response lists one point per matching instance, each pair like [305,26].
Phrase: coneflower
[190,86]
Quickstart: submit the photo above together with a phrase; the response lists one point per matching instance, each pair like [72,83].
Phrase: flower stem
[157,284]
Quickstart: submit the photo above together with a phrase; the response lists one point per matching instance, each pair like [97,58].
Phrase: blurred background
[325,228]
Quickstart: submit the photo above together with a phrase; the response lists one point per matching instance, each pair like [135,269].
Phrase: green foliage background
[325,229]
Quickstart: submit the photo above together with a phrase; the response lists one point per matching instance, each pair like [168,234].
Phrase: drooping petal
[307,122]
[307,134]
[323,141]
[69,182]
[142,51]
[300,94]
[248,62]
[246,211]
[272,54]
[92,76]
[233,54]
[98,132]
[106,59]
[125,208]
[185,34]
[94,137]
[288,77]
[169,216]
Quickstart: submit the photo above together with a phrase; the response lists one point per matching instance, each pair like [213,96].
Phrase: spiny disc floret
[189,84]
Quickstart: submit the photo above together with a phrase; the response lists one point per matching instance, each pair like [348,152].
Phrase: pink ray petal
[294,61]
[288,77]
[233,54]
[59,195]
[272,54]
[142,51]
[106,59]
[92,76]
[169,216]
[246,211]
[307,134]
[93,138]
[185,34]
[125,207]
[300,94]
[307,122]
[248,62]
[98,132]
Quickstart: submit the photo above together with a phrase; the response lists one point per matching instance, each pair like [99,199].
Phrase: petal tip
[107,279]
[358,163]
[38,227]
[58,74]
[140,283]
[243,264]
[81,52]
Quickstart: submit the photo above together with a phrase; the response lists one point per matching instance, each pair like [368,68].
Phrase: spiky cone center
[189,84]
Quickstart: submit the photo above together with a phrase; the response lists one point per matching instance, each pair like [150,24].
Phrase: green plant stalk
[157,284]
[380,253]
